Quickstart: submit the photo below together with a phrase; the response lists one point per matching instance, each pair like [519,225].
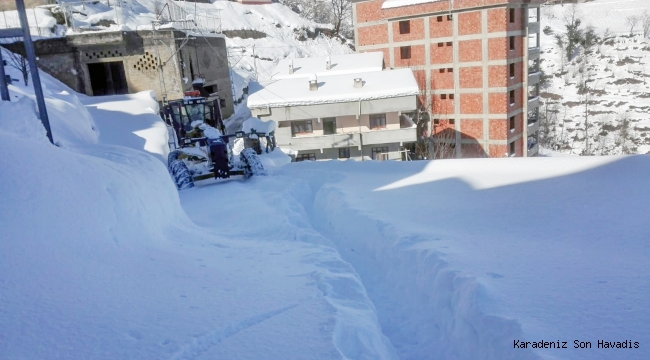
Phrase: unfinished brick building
[477,66]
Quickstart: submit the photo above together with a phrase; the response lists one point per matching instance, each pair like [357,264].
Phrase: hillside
[602,94]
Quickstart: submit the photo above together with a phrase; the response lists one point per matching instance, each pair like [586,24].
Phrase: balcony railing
[533,27]
[534,77]
[533,150]
[533,53]
[533,102]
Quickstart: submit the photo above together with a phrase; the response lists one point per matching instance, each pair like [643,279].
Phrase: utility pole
[31,58]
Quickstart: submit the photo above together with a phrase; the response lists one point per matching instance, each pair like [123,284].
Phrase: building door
[108,78]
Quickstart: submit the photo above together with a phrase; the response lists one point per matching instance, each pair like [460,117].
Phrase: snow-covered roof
[340,64]
[388,4]
[333,89]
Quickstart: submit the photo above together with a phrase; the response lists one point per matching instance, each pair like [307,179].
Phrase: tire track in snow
[203,343]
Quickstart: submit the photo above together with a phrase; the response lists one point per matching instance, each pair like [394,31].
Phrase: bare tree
[645,23]
[632,21]
[443,141]
[19,62]
[624,133]
[341,10]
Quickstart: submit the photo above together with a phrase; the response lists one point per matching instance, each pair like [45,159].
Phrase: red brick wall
[471,103]
[471,77]
[498,103]
[519,20]
[471,129]
[442,125]
[469,50]
[417,56]
[472,151]
[498,76]
[519,74]
[498,150]
[420,78]
[416,31]
[498,129]
[371,35]
[444,80]
[469,23]
[438,29]
[497,20]
[497,49]
[441,54]
[519,47]
[416,9]
[441,106]
[369,11]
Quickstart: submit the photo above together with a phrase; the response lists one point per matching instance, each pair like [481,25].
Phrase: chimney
[358,83]
[291,66]
[328,63]
[313,83]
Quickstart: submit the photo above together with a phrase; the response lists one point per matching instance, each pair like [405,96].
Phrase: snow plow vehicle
[201,149]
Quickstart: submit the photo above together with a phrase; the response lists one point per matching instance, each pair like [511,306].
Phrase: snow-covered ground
[101,257]
[617,72]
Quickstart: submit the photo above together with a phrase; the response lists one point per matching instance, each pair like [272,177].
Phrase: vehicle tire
[252,164]
[181,175]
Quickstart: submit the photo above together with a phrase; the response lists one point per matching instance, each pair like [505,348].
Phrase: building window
[303,157]
[443,96]
[377,121]
[405,52]
[512,16]
[512,123]
[449,17]
[511,149]
[512,97]
[301,127]
[512,43]
[449,43]
[329,126]
[451,96]
[439,18]
[452,121]
[512,70]
[441,44]
[376,151]
[344,153]
[404,27]
[450,70]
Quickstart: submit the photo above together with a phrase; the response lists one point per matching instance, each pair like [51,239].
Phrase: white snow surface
[333,89]
[617,74]
[258,125]
[340,64]
[101,257]
[388,4]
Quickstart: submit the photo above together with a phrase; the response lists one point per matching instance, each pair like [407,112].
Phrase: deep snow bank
[463,257]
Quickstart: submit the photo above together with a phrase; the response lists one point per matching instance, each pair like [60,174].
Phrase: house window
[512,71]
[443,96]
[304,157]
[512,43]
[301,127]
[449,43]
[511,149]
[441,71]
[452,121]
[450,70]
[405,52]
[441,44]
[451,96]
[329,126]
[377,121]
[449,17]
[512,97]
[512,16]
[379,150]
[344,153]
[512,123]
[404,27]
[439,19]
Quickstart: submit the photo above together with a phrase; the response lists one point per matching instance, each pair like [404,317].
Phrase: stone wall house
[121,62]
